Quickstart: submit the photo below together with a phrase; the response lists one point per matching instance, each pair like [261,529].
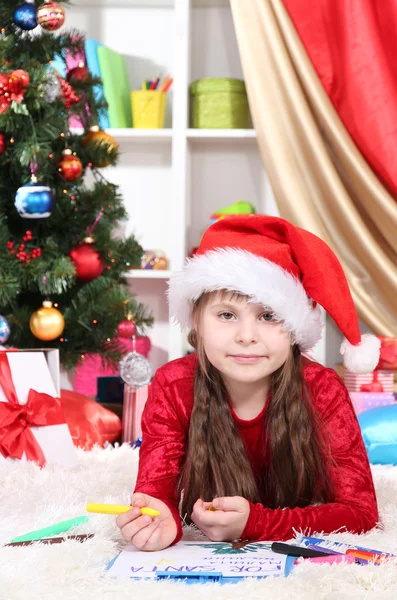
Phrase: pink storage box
[133,405]
[87,372]
[364,401]
[376,382]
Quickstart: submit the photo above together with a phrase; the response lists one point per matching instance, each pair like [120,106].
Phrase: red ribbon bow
[16,420]
[375,386]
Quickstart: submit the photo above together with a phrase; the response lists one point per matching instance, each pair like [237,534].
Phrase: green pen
[51,530]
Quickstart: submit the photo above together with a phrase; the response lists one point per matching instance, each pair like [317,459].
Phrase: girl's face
[242,339]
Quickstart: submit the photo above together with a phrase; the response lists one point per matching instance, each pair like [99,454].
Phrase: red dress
[165,426]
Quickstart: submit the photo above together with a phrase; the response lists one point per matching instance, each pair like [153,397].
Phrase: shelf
[141,134]
[198,136]
[136,135]
[151,3]
[165,135]
[128,3]
[147,274]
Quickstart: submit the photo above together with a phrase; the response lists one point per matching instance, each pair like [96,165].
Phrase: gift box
[364,401]
[388,353]
[32,424]
[134,403]
[376,382]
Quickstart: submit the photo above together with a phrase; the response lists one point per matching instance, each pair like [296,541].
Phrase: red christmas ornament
[12,87]
[80,73]
[18,81]
[67,93]
[87,260]
[3,143]
[50,16]
[5,95]
[126,328]
[69,166]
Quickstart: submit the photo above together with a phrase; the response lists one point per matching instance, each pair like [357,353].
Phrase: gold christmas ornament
[47,323]
[100,137]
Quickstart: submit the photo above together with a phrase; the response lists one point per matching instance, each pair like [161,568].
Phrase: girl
[248,424]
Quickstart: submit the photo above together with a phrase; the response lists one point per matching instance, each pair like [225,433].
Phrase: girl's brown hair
[216,463]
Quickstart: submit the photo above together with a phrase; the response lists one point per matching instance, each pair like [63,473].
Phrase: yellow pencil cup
[148,109]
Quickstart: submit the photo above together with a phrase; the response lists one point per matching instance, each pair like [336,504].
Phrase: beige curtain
[319,178]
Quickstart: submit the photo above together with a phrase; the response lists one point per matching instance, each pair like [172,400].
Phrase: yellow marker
[118,509]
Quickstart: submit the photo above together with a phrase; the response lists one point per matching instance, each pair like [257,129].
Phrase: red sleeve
[355,507]
[162,450]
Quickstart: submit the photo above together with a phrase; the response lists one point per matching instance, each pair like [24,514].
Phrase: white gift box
[38,370]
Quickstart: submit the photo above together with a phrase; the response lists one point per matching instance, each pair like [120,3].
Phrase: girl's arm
[162,450]
[355,507]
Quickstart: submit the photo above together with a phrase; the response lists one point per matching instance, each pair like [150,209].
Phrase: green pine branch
[37,131]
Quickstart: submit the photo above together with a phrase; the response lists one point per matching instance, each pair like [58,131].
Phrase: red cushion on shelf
[89,422]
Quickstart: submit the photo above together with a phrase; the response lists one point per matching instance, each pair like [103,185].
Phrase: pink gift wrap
[133,405]
[364,401]
[376,382]
[87,372]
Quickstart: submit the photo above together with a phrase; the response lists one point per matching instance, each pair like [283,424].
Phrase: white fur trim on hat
[362,358]
[263,281]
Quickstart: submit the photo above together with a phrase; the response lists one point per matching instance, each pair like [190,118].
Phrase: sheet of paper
[253,560]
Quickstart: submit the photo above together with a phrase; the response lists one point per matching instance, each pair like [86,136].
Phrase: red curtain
[353,47]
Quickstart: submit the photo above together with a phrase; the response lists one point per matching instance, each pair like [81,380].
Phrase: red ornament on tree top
[50,16]
[5,96]
[12,87]
[18,80]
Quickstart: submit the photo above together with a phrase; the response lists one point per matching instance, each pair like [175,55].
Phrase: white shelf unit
[173,179]
[148,274]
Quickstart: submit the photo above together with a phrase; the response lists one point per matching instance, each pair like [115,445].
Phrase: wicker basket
[219,104]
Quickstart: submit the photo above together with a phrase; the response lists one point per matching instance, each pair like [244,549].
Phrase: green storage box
[219,104]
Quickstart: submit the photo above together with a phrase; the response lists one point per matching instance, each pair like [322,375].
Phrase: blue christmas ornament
[34,201]
[25,16]
[4,330]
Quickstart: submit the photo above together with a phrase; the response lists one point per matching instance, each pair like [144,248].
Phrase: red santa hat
[282,267]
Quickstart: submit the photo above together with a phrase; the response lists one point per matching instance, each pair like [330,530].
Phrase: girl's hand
[227,522]
[144,532]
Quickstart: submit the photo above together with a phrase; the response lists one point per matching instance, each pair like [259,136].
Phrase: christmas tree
[57,240]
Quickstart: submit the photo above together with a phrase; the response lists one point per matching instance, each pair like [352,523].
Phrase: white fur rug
[31,498]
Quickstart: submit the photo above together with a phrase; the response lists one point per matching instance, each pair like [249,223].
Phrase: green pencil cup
[219,103]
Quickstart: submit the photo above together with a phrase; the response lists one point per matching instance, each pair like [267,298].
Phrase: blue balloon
[25,16]
[4,330]
[34,201]
[379,431]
